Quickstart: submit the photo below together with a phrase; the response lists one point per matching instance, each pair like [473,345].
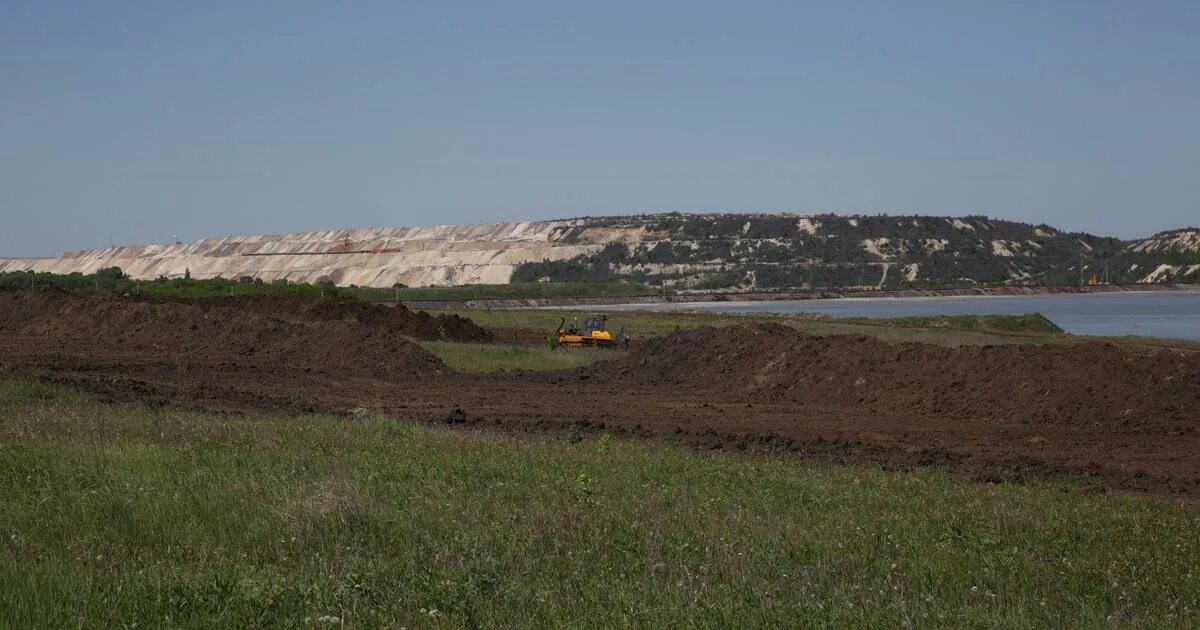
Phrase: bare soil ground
[1128,420]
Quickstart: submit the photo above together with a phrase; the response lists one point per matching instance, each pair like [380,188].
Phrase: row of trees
[115,280]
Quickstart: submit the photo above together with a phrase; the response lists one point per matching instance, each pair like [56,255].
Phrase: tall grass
[119,515]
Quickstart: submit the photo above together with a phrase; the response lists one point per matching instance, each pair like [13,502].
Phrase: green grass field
[662,322]
[642,325]
[1028,324]
[116,516]
[478,358]
[954,330]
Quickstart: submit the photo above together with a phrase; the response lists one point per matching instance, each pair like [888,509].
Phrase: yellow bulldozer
[594,333]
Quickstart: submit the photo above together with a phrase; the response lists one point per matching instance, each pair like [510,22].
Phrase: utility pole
[1081,268]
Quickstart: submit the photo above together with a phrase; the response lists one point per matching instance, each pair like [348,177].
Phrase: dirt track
[993,412]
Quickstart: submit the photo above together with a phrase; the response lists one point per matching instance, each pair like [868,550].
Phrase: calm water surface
[1172,315]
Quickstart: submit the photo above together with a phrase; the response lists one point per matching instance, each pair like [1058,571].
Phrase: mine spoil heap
[676,250]
[995,412]
[280,334]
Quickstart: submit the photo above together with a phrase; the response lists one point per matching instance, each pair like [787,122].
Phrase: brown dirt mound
[1085,384]
[1127,421]
[212,334]
[396,318]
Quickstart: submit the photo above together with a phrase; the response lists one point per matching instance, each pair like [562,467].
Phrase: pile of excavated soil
[212,334]
[397,318]
[995,413]
[1084,384]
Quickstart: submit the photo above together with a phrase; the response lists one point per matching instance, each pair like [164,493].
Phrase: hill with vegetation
[648,253]
[770,251]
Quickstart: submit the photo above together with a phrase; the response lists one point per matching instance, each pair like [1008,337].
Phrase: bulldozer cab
[595,323]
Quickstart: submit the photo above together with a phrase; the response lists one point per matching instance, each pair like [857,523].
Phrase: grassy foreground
[116,515]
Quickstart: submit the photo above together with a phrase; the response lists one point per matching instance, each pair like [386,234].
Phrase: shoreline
[777,296]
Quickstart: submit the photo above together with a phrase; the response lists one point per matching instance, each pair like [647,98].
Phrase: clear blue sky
[128,122]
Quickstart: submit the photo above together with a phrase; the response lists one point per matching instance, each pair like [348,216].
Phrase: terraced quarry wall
[374,257]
